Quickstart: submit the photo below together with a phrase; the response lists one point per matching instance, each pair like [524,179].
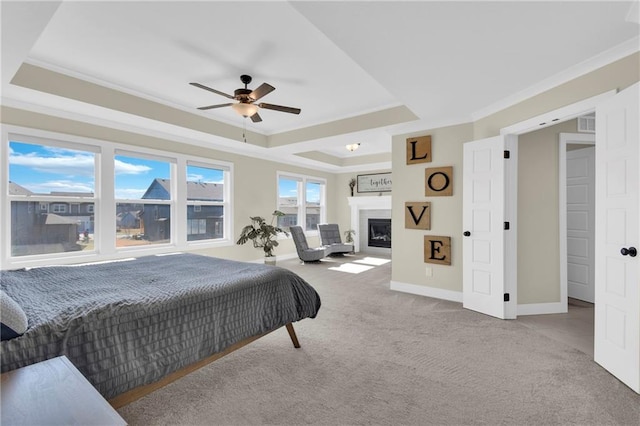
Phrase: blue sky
[43,169]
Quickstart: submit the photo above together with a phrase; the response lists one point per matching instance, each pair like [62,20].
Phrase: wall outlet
[429,271]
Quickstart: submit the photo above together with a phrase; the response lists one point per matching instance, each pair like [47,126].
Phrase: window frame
[302,203]
[227,169]
[104,200]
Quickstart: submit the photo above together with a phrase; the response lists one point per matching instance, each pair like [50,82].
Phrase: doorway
[576,214]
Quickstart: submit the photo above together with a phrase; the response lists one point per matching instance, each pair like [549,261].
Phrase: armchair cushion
[330,238]
[305,253]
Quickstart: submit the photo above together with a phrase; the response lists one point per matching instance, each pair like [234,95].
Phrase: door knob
[468,234]
[631,251]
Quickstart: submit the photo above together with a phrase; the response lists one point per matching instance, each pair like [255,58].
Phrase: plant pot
[270,260]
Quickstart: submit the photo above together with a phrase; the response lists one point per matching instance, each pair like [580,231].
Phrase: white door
[617,293]
[483,221]
[581,223]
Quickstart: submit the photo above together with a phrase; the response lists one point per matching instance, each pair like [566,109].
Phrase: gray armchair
[305,253]
[330,238]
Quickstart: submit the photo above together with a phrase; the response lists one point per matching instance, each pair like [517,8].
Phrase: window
[302,200]
[59,208]
[206,202]
[143,200]
[45,178]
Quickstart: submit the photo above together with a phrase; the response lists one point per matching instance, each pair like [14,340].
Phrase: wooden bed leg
[292,334]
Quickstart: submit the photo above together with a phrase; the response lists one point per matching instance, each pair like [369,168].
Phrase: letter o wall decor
[438,182]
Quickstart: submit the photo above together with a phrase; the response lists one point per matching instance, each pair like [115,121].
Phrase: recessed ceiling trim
[378,119]
[43,80]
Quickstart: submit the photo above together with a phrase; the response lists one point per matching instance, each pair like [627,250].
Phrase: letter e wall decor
[437,250]
[438,182]
[417,215]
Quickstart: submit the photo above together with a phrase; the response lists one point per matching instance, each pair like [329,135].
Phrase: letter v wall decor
[417,215]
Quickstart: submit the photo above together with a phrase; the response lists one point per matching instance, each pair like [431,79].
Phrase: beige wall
[538,262]
[342,212]
[538,223]
[255,186]
[408,265]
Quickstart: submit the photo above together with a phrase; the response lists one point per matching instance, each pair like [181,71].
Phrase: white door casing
[483,246]
[580,197]
[617,292]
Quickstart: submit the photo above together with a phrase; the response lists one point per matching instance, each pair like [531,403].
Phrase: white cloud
[58,186]
[194,177]
[129,193]
[66,163]
[123,168]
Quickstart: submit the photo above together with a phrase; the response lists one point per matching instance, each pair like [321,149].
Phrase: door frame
[547,119]
[565,139]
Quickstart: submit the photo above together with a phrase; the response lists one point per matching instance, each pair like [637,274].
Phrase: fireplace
[379,233]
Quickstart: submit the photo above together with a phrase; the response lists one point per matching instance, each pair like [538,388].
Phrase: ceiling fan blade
[214,106]
[202,86]
[264,89]
[256,118]
[280,108]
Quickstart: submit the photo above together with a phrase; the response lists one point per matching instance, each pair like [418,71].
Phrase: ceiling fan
[246,98]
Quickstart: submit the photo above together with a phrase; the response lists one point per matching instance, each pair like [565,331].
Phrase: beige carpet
[373,356]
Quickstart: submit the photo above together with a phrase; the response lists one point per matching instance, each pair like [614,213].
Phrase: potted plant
[263,235]
[348,235]
[352,184]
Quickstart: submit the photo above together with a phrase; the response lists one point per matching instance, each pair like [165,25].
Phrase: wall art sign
[437,250]
[417,215]
[377,182]
[419,150]
[438,182]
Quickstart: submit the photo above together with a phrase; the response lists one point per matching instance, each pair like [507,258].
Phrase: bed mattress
[129,323]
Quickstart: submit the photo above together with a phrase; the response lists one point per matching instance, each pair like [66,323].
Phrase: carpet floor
[378,357]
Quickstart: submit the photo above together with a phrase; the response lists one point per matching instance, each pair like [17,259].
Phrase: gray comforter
[129,323]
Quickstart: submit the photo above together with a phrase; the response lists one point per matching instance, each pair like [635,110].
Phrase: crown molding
[607,57]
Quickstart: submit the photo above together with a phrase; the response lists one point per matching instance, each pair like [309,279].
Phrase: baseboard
[421,290]
[542,308]
[278,257]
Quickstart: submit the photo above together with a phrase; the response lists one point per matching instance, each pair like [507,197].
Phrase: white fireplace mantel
[380,202]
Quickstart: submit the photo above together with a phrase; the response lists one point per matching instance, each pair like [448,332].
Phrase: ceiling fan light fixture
[245,109]
[353,146]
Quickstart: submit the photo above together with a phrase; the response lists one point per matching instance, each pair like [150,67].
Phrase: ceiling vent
[587,123]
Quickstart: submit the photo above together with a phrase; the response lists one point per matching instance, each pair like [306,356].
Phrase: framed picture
[377,182]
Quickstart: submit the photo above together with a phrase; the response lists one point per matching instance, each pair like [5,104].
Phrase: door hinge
[506,226]
[507,154]
[506,297]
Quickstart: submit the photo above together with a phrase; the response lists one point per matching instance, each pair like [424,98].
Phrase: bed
[130,324]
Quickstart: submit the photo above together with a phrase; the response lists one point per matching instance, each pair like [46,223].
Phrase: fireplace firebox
[379,233]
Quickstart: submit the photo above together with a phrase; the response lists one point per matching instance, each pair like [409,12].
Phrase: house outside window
[302,200]
[207,201]
[45,178]
[59,208]
[143,200]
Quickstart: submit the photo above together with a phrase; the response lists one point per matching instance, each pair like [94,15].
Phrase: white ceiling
[446,61]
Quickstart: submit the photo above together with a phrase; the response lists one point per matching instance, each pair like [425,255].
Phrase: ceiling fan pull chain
[244,131]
